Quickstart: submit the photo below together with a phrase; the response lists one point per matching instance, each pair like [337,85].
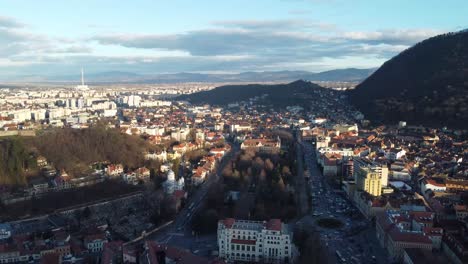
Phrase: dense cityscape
[207,168]
[216,144]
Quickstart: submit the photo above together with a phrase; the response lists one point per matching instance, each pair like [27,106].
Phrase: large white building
[255,241]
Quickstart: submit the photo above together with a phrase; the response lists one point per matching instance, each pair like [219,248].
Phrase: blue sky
[59,37]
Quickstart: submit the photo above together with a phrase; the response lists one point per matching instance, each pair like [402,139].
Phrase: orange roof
[229,222]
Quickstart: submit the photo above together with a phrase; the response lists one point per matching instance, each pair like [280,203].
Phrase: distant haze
[341,75]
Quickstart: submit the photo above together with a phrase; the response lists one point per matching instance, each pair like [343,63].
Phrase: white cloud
[8,22]
[406,36]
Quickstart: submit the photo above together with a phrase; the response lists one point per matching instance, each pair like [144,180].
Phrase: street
[179,233]
[355,241]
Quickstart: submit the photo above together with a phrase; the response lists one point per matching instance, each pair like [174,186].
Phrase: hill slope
[279,95]
[426,84]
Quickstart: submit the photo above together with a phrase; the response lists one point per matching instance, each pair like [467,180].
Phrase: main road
[179,232]
[355,242]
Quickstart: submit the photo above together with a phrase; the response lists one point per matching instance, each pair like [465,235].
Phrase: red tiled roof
[229,222]
[433,182]
[274,224]
[433,231]
[179,194]
[50,258]
[93,237]
[426,217]
[409,237]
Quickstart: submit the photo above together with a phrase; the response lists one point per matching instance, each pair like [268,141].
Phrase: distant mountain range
[344,75]
[426,84]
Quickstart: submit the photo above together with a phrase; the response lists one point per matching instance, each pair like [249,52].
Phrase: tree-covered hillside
[75,149]
[72,150]
[15,160]
[279,95]
[426,84]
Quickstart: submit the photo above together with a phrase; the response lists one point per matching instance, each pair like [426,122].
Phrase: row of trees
[269,178]
[264,182]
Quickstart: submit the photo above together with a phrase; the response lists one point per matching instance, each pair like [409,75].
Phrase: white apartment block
[255,241]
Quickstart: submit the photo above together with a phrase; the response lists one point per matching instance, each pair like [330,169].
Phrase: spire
[82,76]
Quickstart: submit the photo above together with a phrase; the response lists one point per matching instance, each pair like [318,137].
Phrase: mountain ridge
[344,75]
[426,84]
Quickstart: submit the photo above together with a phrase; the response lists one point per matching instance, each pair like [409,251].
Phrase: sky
[56,37]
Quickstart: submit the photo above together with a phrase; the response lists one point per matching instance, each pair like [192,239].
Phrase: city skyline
[50,38]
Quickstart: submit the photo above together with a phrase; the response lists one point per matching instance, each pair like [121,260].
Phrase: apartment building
[370,176]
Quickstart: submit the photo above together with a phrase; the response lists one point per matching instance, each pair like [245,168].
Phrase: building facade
[370,176]
[255,241]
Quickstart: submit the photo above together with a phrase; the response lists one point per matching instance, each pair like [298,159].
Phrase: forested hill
[72,150]
[295,93]
[426,84]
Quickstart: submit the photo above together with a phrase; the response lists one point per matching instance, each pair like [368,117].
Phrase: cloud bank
[231,45]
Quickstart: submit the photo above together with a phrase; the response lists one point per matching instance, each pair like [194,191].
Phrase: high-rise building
[255,241]
[132,100]
[80,103]
[370,176]
[72,103]
[368,180]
